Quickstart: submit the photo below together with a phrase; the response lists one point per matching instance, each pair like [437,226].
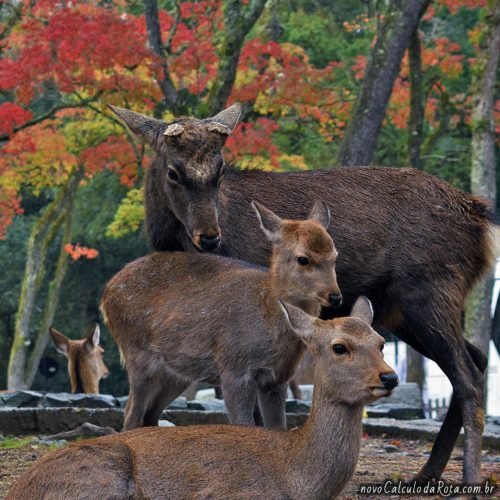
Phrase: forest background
[313,76]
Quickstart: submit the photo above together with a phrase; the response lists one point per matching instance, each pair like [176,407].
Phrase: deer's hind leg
[152,387]
[433,318]
[239,397]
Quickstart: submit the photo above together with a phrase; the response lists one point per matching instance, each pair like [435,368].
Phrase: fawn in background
[85,360]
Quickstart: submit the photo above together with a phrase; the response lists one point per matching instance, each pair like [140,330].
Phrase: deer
[411,243]
[179,317]
[230,461]
[85,360]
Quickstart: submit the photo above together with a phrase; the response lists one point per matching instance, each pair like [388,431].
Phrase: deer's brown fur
[85,360]
[410,242]
[222,462]
[180,317]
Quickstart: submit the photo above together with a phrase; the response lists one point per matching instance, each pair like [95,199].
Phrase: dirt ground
[380,459]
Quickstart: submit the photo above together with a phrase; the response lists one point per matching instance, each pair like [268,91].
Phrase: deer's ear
[228,118]
[92,340]
[269,221]
[299,320]
[145,128]
[60,341]
[363,309]
[320,213]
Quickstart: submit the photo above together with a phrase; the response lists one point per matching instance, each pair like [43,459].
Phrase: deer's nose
[390,380]
[335,299]
[208,243]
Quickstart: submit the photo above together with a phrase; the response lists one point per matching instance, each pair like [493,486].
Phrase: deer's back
[388,224]
[196,312]
[217,462]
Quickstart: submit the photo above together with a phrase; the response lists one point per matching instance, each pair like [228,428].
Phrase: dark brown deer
[410,242]
[222,462]
[179,317]
[85,360]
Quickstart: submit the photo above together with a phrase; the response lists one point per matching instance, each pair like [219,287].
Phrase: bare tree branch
[51,112]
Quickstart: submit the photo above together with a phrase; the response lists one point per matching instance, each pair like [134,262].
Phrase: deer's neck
[281,290]
[325,451]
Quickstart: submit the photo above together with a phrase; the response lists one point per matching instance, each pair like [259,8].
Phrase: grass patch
[14,442]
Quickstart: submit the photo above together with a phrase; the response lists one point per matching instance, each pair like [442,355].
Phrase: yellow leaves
[129,215]
[37,157]
[292,162]
[88,130]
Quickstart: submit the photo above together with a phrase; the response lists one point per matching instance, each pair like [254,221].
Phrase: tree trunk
[417,105]
[155,41]
[360,139]
[42,236]
[52,299]
[239,19]
[478,322]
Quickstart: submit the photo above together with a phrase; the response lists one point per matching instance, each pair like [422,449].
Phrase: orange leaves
[77,251]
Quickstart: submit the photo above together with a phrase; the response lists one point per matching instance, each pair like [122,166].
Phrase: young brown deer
[410,242]
[224,461]
[85,360]
[180,317]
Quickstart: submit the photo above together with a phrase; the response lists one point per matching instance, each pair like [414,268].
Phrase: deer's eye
[339,349]
[303,261]
[172,175]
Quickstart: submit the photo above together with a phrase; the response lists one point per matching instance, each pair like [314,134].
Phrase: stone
[121,401]
[407,394]
[92,400]
[394,410]
[165,423]
[178,404]
[297,406]
[21,399]
[205,394]
[56,400]
[213,405]
[307,391]
[390,448]
[18,421]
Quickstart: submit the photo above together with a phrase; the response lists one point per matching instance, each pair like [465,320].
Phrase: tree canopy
[297,67]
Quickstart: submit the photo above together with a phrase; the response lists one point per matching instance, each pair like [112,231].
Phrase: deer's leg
[294,387]
[435,331]
[239,397]
[272,401]
[164,393]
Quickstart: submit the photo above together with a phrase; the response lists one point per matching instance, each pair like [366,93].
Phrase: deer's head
[191,166]
[85,360]
[303,256]
[349,364]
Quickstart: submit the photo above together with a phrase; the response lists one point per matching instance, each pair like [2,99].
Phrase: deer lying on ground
[225,461]
[179,317]
[410,242]
[85,360]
